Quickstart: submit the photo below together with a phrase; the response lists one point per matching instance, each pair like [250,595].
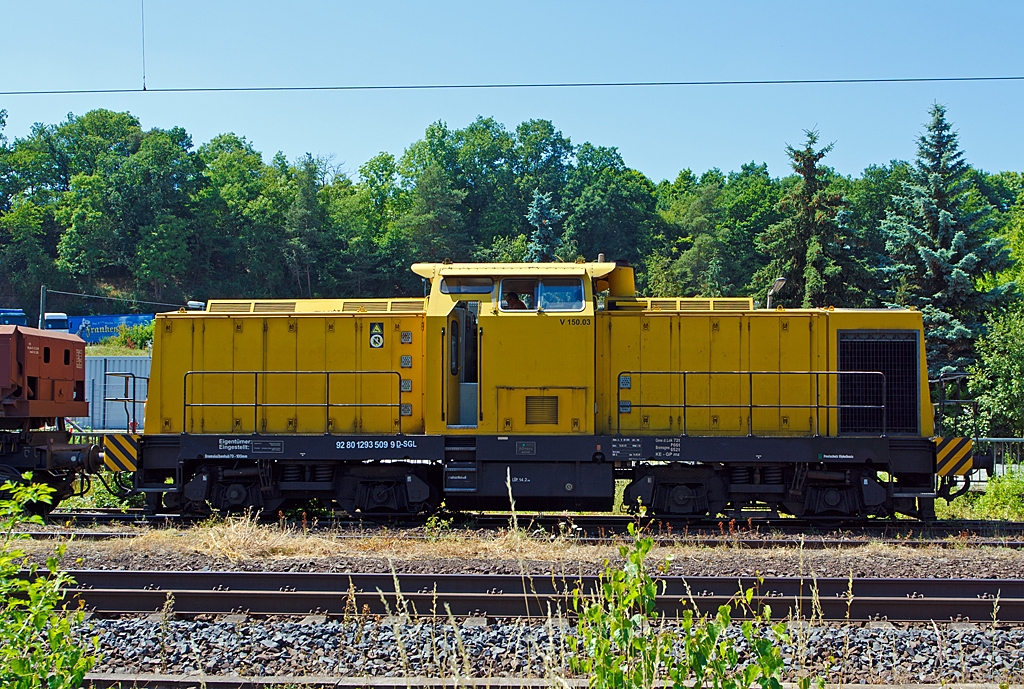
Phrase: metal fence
[100,386]
[1007,455]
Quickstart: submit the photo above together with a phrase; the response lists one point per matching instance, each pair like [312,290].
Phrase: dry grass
[245,538]
[241,539]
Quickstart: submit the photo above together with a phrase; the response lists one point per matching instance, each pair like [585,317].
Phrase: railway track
[596,524]
[809,542]
[155,681]
[503,596]
[603,529]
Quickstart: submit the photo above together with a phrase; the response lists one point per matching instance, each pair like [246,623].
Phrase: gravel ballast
[361,647]
[885,655]
[868,561]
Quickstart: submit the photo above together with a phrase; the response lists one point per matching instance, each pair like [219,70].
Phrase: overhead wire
[515,85]
[125,299]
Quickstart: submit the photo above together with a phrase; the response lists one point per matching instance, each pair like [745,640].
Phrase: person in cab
[513,302]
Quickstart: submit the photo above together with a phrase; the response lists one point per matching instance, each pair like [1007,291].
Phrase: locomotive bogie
[391,488]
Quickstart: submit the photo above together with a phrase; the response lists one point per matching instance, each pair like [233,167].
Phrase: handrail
[130,417]
[257,405]
[750,406]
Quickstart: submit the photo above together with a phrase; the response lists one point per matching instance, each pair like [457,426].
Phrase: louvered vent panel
[733,304]
[354,306]
[864,397]
[664,304]
[407,306]
[694,304]
[541,410]
[230,307]
[274,307]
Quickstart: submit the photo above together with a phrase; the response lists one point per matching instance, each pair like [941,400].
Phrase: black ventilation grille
[541,410]
[894,354]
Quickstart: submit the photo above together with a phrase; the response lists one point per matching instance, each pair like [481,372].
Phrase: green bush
[39,645]
[622,644]
[131,337]
[1003,498]
[98,496]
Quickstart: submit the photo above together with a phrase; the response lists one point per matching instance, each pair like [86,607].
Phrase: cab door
[453,366]
[462,365]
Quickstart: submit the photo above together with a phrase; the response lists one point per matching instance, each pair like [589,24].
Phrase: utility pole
[42,305]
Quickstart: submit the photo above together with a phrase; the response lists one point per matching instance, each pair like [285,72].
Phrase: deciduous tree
[435,228]
[612,208]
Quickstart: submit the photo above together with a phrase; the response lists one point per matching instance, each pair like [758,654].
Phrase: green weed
[39,646]
[436,527]
[98,496]
[1002,499]
[622,642]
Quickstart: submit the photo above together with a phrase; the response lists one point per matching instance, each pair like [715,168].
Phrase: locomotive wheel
[196,509]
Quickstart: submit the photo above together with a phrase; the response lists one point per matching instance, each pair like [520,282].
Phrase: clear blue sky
[96,44]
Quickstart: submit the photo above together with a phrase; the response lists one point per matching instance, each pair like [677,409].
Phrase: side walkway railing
[257,406]
[626,406]
[130,398]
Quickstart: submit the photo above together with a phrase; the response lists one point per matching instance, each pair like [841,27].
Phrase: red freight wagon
[42,382]
[42,377]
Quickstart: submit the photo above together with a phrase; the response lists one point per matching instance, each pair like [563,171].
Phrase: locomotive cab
[514,344]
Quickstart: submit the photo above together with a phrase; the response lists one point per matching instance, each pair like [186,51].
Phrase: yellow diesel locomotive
[547,380]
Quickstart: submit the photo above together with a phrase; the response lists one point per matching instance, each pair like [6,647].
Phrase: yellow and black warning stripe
[953,456]
[121,451]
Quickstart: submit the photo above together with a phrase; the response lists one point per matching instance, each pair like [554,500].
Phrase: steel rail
[745,523]
[440,595]
[592,528]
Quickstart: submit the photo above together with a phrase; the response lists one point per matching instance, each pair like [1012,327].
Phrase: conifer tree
[543,240]
[810,247]
[939,243]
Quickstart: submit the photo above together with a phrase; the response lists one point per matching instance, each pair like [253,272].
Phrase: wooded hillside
[100,205]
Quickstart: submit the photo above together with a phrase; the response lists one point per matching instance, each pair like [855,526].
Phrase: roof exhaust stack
[600,258]
[621,282]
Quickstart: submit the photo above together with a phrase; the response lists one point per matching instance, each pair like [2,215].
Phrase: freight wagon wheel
[8,474]
[41,509]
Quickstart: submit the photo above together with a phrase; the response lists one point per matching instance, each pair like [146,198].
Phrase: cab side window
[466,285]
[548,294]
[519,294]
[561,294]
